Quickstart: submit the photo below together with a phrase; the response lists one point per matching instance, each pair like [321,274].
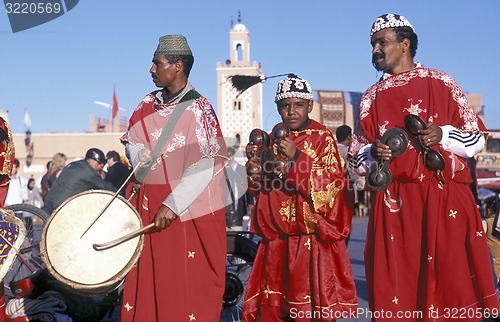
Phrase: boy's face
[294,111]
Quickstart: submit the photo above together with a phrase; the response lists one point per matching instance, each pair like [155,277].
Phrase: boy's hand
[288,147]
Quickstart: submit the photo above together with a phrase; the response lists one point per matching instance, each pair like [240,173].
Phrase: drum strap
[183,104]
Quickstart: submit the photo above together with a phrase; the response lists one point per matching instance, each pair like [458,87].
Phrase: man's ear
[179,66]
[310,107]
[405,45]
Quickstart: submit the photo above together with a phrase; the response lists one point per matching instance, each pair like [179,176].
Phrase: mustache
[377,56]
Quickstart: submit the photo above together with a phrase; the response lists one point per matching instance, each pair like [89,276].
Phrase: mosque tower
[238,116]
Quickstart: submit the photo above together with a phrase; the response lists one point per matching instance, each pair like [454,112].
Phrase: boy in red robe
[302,269]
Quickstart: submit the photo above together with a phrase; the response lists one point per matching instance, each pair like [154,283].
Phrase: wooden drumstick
[111,200]
[121,239]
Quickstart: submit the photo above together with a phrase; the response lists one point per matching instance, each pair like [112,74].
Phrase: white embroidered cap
[293,86]
[390,20]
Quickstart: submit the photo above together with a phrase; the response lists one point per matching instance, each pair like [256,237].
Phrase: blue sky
[57,70]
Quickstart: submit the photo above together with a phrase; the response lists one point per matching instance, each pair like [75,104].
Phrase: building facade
[238,114]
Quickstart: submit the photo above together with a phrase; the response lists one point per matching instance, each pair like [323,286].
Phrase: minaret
[238,115]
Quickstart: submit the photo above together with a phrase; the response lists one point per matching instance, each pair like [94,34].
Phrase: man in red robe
[426,253]
[175,133]
[302,269]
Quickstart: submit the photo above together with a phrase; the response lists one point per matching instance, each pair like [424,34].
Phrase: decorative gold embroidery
[308,243]
[307,299]
[321,198]
[309,220]
[309,151]
[7,154]
[287,211]
[268,292]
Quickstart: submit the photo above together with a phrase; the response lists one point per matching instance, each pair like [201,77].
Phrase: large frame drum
[71,257]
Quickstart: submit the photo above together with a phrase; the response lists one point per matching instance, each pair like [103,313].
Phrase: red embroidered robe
[426,249]
[180,275]
[302,264]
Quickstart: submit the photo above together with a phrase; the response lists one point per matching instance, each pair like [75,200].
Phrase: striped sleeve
[464,144]
[361,161]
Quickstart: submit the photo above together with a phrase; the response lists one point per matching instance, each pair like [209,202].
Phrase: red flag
[114,110]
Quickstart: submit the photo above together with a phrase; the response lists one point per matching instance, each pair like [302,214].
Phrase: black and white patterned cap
[293,86]
[390,20]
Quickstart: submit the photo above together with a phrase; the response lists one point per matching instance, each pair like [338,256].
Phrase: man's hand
[288,147]
[380,151]
[164,217]
[144,157]
[431,135]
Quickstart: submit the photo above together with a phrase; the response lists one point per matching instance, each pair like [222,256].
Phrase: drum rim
[97,288]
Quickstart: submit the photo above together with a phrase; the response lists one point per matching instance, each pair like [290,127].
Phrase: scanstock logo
[26,14]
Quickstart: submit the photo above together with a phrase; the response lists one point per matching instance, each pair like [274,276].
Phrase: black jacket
[76,177]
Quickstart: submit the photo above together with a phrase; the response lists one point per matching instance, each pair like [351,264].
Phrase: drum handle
[121,239]
[113,198]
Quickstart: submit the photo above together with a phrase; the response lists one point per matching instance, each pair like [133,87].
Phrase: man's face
[14,170]
[294,111]
[387,53]
[163,73]
[95,165]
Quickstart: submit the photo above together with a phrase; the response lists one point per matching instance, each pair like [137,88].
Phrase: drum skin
[72,259]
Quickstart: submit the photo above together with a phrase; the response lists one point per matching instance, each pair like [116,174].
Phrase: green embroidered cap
[173,45]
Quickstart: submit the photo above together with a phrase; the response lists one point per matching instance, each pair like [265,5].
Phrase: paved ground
[356,249]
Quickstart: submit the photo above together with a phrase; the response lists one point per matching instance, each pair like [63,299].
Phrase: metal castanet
[379,176]
[432,158]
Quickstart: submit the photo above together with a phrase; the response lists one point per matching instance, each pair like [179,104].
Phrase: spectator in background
[343,134]
[240,202]
[77,177]
[117,172]
[45,178]
[56,165]
[32,196]
[356,183]
[16,187]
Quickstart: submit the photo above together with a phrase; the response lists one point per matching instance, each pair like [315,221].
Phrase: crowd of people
[426,249]
[95,171]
